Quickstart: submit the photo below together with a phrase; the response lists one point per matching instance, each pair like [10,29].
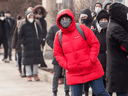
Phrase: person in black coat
[40,14]
[12,23]
[117,61]
[103,19]
[4,28]
[57,68]
[30,36]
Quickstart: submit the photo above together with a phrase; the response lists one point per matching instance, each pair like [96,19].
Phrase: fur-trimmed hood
[43,10]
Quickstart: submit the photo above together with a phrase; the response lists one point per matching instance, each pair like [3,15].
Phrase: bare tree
[18,6]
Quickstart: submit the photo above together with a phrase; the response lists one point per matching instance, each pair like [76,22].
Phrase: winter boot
[54,93]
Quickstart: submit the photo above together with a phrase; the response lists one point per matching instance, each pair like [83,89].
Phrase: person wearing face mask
[86,17]
[12,23]
[117,60]
[97,9]
[4,29]
[102,23]
[106,5]
[78,55]
[30,36]
[40,14]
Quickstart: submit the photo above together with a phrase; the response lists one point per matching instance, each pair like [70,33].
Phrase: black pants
[10,46]
[5,45]
[57,72]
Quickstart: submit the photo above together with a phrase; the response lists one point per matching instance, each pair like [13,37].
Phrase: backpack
[79,30]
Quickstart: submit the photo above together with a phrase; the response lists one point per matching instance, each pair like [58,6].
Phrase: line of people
[102,41]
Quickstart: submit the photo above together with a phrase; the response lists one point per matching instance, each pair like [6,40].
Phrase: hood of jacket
[119,14]
[43,11]
[106,3]
[88,12]
[26,19]
[72,25]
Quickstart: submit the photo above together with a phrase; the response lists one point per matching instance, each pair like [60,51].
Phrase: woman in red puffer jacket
[78,56]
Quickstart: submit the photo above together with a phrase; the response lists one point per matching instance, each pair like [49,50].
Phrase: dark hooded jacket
[117,61]
[101,36]
[31,41]
[106,3]
[89,19]
[50,39]
[4,27]
[41,19]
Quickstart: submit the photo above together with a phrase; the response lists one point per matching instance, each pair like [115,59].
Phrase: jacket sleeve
[93,43]
[121,36]
[58,53]
[50,37]
[14,38]
[21,34]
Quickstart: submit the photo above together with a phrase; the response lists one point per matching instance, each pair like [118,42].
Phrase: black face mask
[85,21]
[103,25]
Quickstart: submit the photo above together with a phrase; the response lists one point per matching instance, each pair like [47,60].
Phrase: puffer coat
[31,41]
[77,56]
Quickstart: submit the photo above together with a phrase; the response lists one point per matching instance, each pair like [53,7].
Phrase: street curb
[45,76]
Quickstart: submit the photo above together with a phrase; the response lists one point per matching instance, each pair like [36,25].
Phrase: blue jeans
[97,86]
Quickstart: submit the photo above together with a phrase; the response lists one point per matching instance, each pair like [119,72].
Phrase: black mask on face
[103,25]
[85,21]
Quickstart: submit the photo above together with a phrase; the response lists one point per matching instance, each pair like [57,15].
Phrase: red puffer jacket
[77,56]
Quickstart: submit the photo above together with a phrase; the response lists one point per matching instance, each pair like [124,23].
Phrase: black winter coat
[102,52]
[50,39]
[117,61]
[4,29]
[31,52]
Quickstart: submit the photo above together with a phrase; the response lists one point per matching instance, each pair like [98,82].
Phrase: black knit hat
[97,3]
[103,14]
[7,12]
[65,15]
[1,13]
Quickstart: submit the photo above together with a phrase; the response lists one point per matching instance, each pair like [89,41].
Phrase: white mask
[31,20]
[97,9]
[2,18]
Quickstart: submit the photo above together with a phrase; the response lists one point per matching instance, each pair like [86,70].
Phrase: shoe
[66,93]
[6,61]
[22,76]
[54,93]
[36,78]
[29,78]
